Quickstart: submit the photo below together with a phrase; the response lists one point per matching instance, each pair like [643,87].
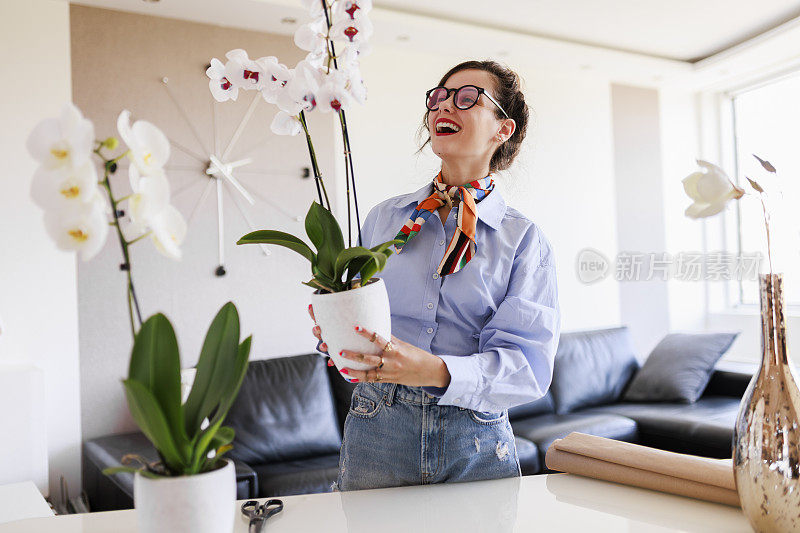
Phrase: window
[766,122]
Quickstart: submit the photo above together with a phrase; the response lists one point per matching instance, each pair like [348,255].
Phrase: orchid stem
[314,165]
[133,303]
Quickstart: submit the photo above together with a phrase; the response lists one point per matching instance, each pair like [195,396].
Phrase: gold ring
[378,376]
[374,336]
[389,346]
[381,365]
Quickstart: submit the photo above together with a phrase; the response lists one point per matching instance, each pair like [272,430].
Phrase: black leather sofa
[290,412]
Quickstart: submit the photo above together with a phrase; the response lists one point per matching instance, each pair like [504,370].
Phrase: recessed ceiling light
[403,37]
[502,53]
[288,20]
[151,1]
[586,67]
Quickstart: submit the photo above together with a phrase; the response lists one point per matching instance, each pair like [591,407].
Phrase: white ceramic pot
[337,314]
[202,503]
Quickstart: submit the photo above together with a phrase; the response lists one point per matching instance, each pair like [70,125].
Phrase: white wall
[38,294]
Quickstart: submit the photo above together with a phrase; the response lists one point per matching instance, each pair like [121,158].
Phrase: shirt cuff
[463,381]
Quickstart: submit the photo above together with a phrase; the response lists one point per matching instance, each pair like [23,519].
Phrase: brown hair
[508,95]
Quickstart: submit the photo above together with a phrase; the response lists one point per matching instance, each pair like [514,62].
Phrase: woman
[475,323]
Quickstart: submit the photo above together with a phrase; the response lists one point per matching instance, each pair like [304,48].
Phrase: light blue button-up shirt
[496,322]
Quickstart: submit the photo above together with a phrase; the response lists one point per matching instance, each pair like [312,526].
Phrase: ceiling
[684,30]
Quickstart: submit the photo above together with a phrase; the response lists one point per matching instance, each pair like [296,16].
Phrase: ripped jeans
[397,435]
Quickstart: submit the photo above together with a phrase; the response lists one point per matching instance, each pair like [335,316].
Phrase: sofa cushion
[284,411]
[592,368]
[528,453]
[704,427]
[679,367]
[544,429]
[536,407]
[298,476]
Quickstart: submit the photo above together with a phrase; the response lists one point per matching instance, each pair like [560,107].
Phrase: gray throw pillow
[679,367]
[592,368]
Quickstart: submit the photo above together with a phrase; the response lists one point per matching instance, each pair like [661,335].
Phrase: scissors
[259,513]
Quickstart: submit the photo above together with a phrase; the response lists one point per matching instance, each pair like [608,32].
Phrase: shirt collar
[491,209]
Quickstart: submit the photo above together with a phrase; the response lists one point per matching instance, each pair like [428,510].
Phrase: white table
[551,502]
[22,500]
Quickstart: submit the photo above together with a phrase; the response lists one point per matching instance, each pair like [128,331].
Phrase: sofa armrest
[246,481]
[725,382]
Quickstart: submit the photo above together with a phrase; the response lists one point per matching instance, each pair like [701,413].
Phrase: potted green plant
[192,487]
[347,293]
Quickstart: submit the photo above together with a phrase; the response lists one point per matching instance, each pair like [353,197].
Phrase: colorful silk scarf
[463,197]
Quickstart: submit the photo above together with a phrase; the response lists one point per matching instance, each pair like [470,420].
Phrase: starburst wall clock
[220,169]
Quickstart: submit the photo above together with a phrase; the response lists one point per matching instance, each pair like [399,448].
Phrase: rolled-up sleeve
[518,343]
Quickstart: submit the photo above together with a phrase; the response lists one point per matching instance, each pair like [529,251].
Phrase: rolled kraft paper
[705,470]
[640,466]
[597,469]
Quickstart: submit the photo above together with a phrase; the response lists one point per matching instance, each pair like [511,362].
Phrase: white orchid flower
[244,72]
[312,37]
[168,230]
[63,142]
[334,95]
[314,8]
[351,9]
[55,189]
[285,124]
[356,86]
[149,147]
[352,31]
[79,229]
[146,205]
[710,189]
[222,89]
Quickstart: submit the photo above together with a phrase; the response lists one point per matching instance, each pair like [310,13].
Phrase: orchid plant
[324,80]
[711,189]
[80,209]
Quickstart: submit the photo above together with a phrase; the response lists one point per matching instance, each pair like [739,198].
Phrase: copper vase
[766,438]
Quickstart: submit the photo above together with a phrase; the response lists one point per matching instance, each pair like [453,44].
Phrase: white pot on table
[201,503]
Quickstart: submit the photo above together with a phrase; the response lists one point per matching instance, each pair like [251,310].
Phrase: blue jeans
[397,435]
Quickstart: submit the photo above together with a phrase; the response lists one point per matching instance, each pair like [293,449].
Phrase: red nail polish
[330,363]
[309,306]
[354,380]
[344,371]
[358,328]
[341,353]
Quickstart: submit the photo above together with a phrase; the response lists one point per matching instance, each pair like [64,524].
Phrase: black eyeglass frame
[481,90]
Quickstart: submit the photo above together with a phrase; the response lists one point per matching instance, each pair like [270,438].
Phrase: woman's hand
[321,346]
[403,363]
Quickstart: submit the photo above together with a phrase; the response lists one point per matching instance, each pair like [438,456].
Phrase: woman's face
[476,139]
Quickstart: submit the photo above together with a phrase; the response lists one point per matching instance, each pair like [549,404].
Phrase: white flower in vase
[314,8]
[222,89]
[79,229]
[149,200]
[312,37]
[333,94]
[351,31]
[285,124]
[711,189]
[351,9]
[64,142]
[149,147]
[168,231]
[244,72]
[56,189]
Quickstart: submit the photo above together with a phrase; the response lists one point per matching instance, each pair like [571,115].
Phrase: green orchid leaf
[280,238]
[151,420]
[155,363]
[324,232]
[215,368]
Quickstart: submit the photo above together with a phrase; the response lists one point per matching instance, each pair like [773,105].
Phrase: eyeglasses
[466,97]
